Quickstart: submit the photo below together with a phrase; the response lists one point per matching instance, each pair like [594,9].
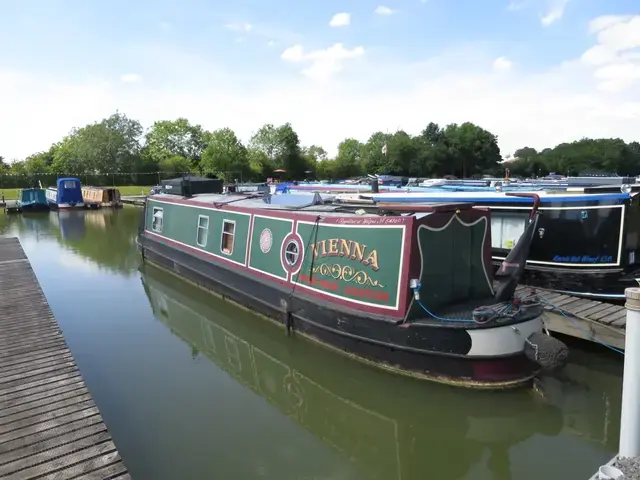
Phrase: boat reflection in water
[71,224]
[384,426]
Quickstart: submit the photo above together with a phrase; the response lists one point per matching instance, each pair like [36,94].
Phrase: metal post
[630,417]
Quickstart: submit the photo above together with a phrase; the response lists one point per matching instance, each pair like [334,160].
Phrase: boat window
[291,252]
[203,230]
[228,231]
[156,224]
[69,184]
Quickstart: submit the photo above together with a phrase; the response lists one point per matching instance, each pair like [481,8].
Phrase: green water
[194,388]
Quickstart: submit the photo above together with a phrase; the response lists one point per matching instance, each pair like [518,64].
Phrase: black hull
[39,207]
[402,350]
[597,284]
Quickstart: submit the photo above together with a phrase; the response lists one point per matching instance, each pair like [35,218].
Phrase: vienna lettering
[339,247]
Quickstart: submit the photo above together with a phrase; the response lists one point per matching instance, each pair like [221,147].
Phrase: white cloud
[324,63]
[502,64]
[239,27]
[550,10]
[130,78]
[555,12]
[515,5]
[579,98]
[382,10]
[616,55]
[340,20]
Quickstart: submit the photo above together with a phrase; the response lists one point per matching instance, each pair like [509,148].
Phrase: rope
[583,331]
[482,315]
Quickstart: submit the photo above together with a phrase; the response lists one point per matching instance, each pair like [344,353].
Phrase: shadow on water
[390,427]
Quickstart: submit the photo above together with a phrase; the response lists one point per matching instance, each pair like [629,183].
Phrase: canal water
[192,387]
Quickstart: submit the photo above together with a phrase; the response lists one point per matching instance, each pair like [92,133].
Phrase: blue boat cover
[69,191]
[283,187]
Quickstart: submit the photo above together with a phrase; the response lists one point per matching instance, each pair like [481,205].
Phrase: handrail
[536,201]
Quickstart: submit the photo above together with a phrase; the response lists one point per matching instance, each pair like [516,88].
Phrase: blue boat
[67,194]
[587,242]
[32,199]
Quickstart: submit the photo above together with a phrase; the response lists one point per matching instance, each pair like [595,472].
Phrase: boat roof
[494,197]
[305,204]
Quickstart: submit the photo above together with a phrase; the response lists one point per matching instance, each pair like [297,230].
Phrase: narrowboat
[413,294]
[384,426]
[66,194]
[32,199]
[586,243]
[101,197]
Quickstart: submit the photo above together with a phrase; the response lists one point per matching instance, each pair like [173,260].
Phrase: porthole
[291,253]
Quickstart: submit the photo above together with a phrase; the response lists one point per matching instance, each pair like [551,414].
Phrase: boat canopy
[32,196]
[69,191]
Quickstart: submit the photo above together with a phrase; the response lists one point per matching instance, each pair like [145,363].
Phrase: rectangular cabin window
[228,231]
[69,184]
[203,230]
[156,223]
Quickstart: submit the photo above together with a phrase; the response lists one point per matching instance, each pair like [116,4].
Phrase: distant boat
[67,194]
[32,199]
[101,196]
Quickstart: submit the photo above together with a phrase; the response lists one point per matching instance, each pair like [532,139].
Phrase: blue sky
[519,68]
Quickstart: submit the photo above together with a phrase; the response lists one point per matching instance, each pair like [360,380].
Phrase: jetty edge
[50,426]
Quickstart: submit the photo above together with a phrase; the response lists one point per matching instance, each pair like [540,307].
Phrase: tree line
[118,150]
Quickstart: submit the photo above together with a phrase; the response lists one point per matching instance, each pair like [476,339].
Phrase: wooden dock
[138,200]
[50,427]
[603,321]
[11,206]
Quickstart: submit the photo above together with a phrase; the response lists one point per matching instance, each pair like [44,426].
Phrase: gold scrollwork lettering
[346,274]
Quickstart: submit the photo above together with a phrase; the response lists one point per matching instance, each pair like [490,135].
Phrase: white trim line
[215,255]
[204,207]
[457,217]
[250,242]
[155,210]
[501,340]
[403,226]
[580,265]
[233,236]
[198,227]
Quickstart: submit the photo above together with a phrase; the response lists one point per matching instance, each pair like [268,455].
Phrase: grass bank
[12,193]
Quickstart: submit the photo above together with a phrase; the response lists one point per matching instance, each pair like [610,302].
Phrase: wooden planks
[588,319]
[138,200]
[50,427]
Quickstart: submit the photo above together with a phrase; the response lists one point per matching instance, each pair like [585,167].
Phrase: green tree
[472,149]
[281,146]
[109,146]
[348,162]
[372,159]
[226,155]
[169,138]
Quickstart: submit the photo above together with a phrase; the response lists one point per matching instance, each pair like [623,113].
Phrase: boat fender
[548,352]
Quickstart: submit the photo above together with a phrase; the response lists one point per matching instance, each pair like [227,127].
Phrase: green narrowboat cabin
[410,292]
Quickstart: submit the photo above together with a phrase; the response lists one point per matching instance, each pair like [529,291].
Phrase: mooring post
[630,416]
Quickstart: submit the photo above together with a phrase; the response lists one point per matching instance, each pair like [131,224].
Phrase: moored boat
[586,244]
[101,197]
[66,194]
[411,293]
[32,199]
